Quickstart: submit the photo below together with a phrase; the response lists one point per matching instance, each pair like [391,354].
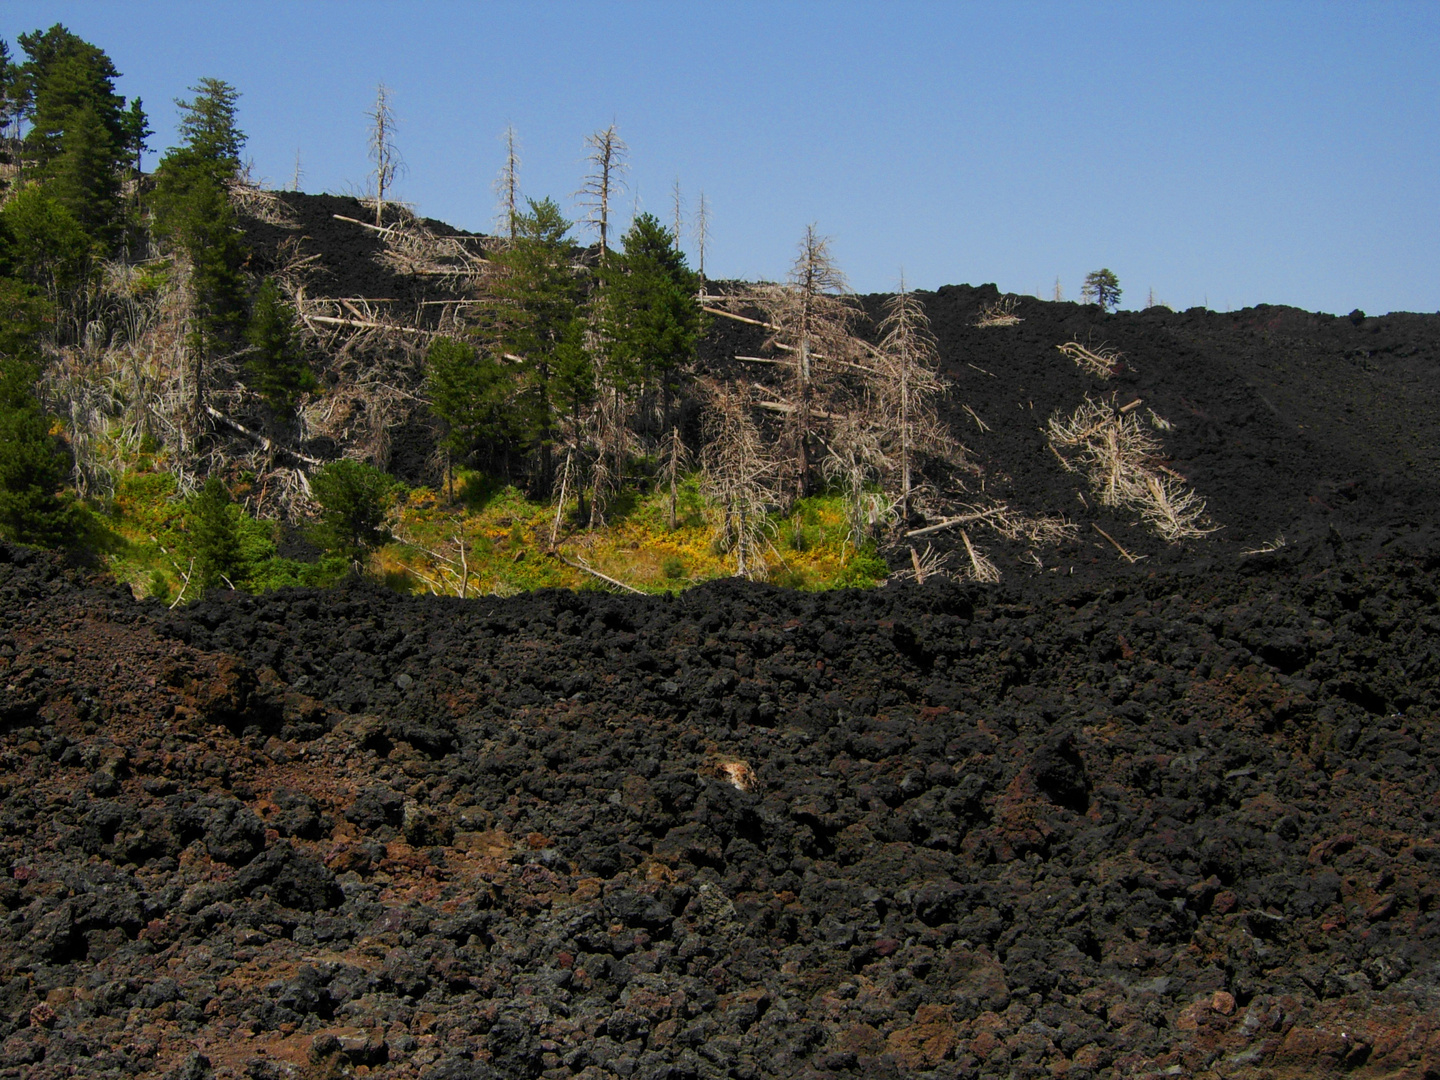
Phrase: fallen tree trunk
[265,443]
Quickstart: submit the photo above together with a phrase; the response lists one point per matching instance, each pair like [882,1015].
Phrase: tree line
[573,371]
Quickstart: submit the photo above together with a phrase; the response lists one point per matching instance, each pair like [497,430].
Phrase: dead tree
[813,321]
[382,148]
[856,459]
[507,184]
[736,473]
[673,459]
[606,178]
[702,234]
[678,204]
[905,387]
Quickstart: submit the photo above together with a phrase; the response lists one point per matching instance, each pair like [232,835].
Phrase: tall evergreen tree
[76,142]
[468,391]
[537,300]
[215,535]
[277,370]
[194,216]
[649,316]
[32,468]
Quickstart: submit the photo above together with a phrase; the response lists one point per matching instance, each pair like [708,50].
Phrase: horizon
[1222,156]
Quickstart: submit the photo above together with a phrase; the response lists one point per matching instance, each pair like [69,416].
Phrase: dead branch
[332,320]
[1267,548]
[981,568]
[265,443]
[950,523]
[1000,313]
[1132,559]
[737,318]
[1101,361]
[586,568]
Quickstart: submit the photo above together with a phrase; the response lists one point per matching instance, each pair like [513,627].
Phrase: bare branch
[382,148]
[507,184]
[605,180]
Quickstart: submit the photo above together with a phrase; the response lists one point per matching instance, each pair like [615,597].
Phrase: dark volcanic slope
[1321,429]
[1177,826]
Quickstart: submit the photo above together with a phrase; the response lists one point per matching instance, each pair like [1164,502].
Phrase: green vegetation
[176,382]
[1101,287]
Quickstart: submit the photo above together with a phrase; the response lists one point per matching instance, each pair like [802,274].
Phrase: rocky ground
[1170,817]
[1180,825]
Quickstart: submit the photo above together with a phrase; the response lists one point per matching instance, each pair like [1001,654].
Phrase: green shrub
[354,498]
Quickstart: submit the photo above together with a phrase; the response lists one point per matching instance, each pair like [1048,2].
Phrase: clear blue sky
[1220,153]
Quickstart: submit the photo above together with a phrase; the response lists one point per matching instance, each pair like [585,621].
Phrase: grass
[507,543]
[143,536]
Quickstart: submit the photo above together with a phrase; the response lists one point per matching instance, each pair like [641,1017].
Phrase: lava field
[1175,817]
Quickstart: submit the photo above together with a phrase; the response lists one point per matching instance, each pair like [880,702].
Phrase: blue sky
[1218,153]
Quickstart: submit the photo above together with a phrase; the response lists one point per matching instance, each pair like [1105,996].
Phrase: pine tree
[353,500]
[77,138]
[536,300]
[1101,287]
[649,316]
[215,535]
[467,391]
[32,468]
[194,216]
[277,370]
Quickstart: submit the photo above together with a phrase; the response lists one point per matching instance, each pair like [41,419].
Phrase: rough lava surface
[1168,818]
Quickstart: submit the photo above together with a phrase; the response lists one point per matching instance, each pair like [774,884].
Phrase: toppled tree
[1101,287]
[1121,459]
[603,182]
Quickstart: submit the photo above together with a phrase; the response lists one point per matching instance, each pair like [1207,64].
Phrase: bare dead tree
[906,386]
[507,184]
[813,321]
[702,233]
[678,203]
[604,181]
[382,148]
[673,459]
[737,470]
[295,179]
[856,458]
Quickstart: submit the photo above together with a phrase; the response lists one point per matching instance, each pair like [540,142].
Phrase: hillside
[1170,814]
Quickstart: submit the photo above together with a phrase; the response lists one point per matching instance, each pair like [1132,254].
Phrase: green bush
[354,498]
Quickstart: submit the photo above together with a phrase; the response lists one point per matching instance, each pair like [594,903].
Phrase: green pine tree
[537,299]
[277,370]
[468,392]
[353,498]
[32,468]
[215,536]
[649,315]
[76,143]
[1101,287]
[193,216]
